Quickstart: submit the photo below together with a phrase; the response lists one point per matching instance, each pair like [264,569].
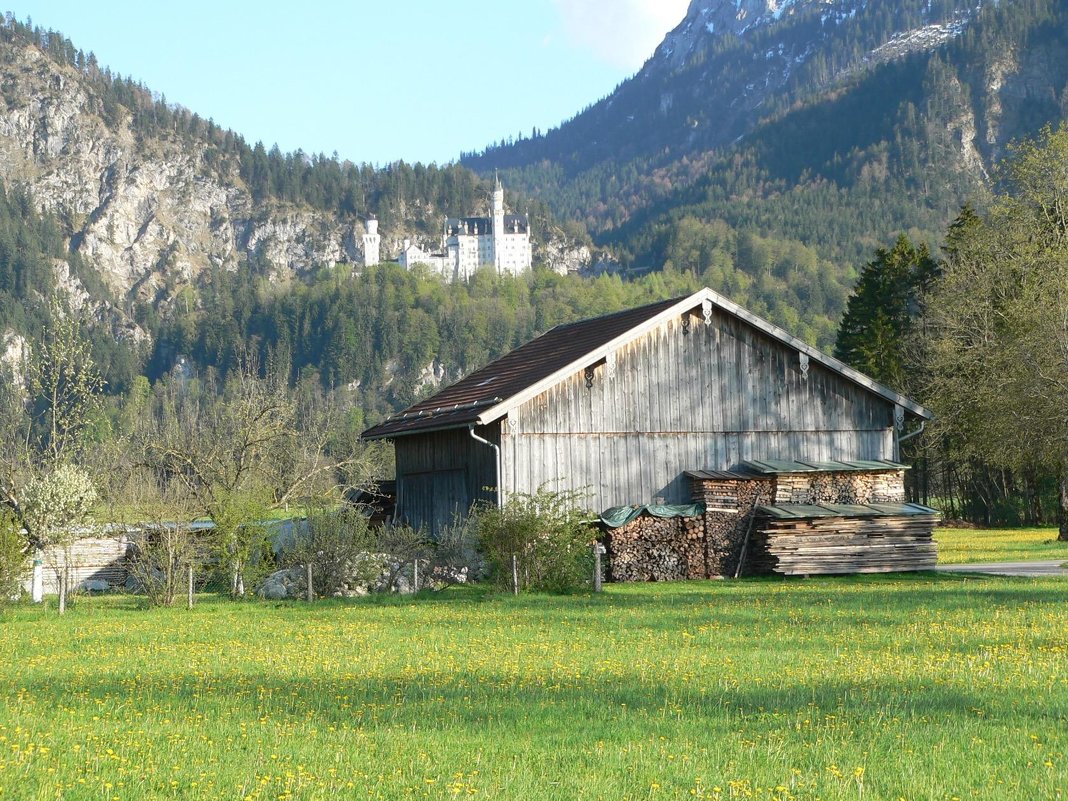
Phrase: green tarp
[621,515]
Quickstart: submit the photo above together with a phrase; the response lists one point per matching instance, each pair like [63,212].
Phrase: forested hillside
[37,272]
[154,197]
[175,240]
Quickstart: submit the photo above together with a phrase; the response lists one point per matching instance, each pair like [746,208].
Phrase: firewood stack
[847,542]
[860,487]
[657,549]
[671,549]
[729,503]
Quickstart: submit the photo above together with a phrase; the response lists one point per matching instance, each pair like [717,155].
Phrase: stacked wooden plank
[804,539]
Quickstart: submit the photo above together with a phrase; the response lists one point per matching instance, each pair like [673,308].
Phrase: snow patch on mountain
[736,17]
[719,18]
[925,38]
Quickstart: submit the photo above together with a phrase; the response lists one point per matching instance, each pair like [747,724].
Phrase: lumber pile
[90,559]
[705,546]
[797,523]
[807,540]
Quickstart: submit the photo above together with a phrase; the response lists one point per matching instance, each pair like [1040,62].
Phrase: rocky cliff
[149,213]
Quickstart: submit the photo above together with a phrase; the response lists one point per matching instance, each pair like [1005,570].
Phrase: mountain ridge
[704,95]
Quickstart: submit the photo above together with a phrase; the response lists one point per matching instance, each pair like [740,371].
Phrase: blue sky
[418,80]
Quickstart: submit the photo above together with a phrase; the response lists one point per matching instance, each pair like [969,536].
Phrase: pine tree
[874,333]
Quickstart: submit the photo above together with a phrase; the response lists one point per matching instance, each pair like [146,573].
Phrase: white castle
[501,241]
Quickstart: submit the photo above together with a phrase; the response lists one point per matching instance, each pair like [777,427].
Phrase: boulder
[282,584]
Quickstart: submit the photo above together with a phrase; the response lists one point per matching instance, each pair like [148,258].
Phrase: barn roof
[491,392]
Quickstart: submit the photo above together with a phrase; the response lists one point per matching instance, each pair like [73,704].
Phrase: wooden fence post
[189,602]
[515,575]
[311,592]
[63,590]
[598,549]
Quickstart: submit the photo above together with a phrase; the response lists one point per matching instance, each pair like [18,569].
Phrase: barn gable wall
[683,398]
[440,474]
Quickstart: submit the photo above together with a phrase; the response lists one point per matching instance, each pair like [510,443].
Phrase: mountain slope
[749,102]
[157,198]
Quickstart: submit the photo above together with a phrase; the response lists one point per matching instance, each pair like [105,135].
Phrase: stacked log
[827,545]
[729,504]
[657,549]
[883,486]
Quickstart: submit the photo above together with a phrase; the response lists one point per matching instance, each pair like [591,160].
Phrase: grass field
[885,687]
[962,545]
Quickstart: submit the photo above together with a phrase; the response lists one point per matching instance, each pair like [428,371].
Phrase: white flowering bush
[55,502]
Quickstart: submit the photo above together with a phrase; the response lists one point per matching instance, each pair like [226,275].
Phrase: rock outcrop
[149,213]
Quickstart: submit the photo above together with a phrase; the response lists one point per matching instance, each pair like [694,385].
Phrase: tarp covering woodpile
[621,515]
[826,539]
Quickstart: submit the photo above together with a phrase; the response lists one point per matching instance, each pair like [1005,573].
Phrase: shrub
[161,559]
[339,546]
[549,537]
[456,557]
[14,558]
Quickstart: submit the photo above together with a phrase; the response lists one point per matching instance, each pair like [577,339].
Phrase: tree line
[979,332]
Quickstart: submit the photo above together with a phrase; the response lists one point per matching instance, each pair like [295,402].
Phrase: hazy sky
[418,80]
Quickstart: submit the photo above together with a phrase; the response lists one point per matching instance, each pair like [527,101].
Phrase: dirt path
[1044,568]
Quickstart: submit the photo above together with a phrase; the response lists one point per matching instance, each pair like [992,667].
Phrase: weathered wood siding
[86,559]
[677,400]
[440,474]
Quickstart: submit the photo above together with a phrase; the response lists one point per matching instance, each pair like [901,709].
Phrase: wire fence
[171,565]
[174,565]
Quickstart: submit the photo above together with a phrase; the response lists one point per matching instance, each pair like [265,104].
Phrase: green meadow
[963,545]
[883,687]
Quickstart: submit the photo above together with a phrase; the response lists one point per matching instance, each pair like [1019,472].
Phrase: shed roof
[780,467]
[772,467]
[490,393]
[721,475]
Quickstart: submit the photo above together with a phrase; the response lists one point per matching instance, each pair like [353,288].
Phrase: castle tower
[498,223]
[372,243]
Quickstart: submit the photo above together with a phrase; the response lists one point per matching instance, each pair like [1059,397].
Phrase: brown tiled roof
[460,404]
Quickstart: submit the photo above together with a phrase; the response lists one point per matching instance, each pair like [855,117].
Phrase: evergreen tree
[880,316]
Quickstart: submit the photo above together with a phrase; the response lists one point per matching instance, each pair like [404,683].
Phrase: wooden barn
[622,407]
